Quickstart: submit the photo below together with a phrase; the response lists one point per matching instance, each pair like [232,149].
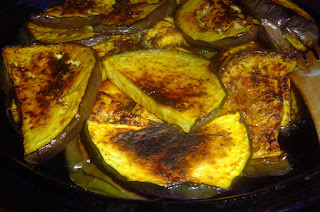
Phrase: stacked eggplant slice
[158,98]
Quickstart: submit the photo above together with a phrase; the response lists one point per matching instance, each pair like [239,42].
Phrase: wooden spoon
[307,80]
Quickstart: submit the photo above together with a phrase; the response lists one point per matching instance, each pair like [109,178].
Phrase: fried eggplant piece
[161,36]
[162,161]
[107,16]
[113,106]
[177,87]
[258,85]
[31,33]
[54,88]
[215,24]
[284,25]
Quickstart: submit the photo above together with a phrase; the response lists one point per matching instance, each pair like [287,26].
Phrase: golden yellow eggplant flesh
[164,156]
[177,87]
[55,86]
[215,24]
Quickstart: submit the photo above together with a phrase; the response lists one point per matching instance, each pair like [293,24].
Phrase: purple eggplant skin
[222,44]
[59,143]
[266,167]
[277,21]
[65,22]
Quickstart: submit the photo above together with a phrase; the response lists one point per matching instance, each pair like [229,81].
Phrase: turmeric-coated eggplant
[54,88]
[215,24]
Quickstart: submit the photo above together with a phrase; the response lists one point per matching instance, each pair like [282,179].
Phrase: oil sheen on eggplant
[88,176]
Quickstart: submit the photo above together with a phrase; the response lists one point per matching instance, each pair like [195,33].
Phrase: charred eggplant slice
[176,86]
[284,25]
[110,17]
[55,86]
[162,161]
[258,85]
[215,24]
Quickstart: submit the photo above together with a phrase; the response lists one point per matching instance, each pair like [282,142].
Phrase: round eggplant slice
[284,25]
[119,17]
[56,98]
[215,24]
[164,162]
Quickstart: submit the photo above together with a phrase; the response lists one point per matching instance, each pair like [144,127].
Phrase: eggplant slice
[216,24]
[258,85]
[107,17]
[162,161]
[176,86]
[55,86]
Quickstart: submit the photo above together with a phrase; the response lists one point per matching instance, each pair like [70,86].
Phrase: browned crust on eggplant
[166,9]
[62,139]
[221,33]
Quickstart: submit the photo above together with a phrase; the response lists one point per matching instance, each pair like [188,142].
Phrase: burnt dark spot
[124,10]
[160,91]
[31,114]
[165,144]
[60,66]
[75,6]
[60,79]
[43,101]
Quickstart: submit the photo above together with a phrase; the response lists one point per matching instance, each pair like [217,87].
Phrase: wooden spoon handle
[309,88]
